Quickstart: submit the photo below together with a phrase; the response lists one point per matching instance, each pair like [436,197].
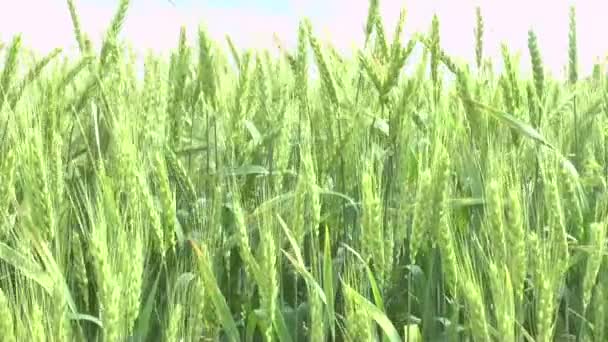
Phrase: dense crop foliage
[229,195]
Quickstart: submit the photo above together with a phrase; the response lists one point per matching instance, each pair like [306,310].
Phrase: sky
[155,24]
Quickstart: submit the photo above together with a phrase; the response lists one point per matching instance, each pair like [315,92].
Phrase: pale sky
[154,24]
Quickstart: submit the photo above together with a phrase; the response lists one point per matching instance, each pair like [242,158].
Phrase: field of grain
[228,195]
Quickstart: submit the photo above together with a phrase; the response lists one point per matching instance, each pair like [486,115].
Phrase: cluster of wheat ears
[231,196]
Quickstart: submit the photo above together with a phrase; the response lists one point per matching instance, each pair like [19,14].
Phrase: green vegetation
[231,196]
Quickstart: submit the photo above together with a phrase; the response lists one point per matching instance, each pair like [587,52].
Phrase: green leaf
[182,282]
[328,281]
[382,126]
[280,326]
[514,123]
[412,332]
[51,267]
[248,170]
[377,315]
[466,202]
[298,262]
[84,317]
[219,302]
[370,276]
[142,327]
[26,267]
[253,131]
[252,324]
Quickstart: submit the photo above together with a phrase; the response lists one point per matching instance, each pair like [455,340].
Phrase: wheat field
[229,195]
